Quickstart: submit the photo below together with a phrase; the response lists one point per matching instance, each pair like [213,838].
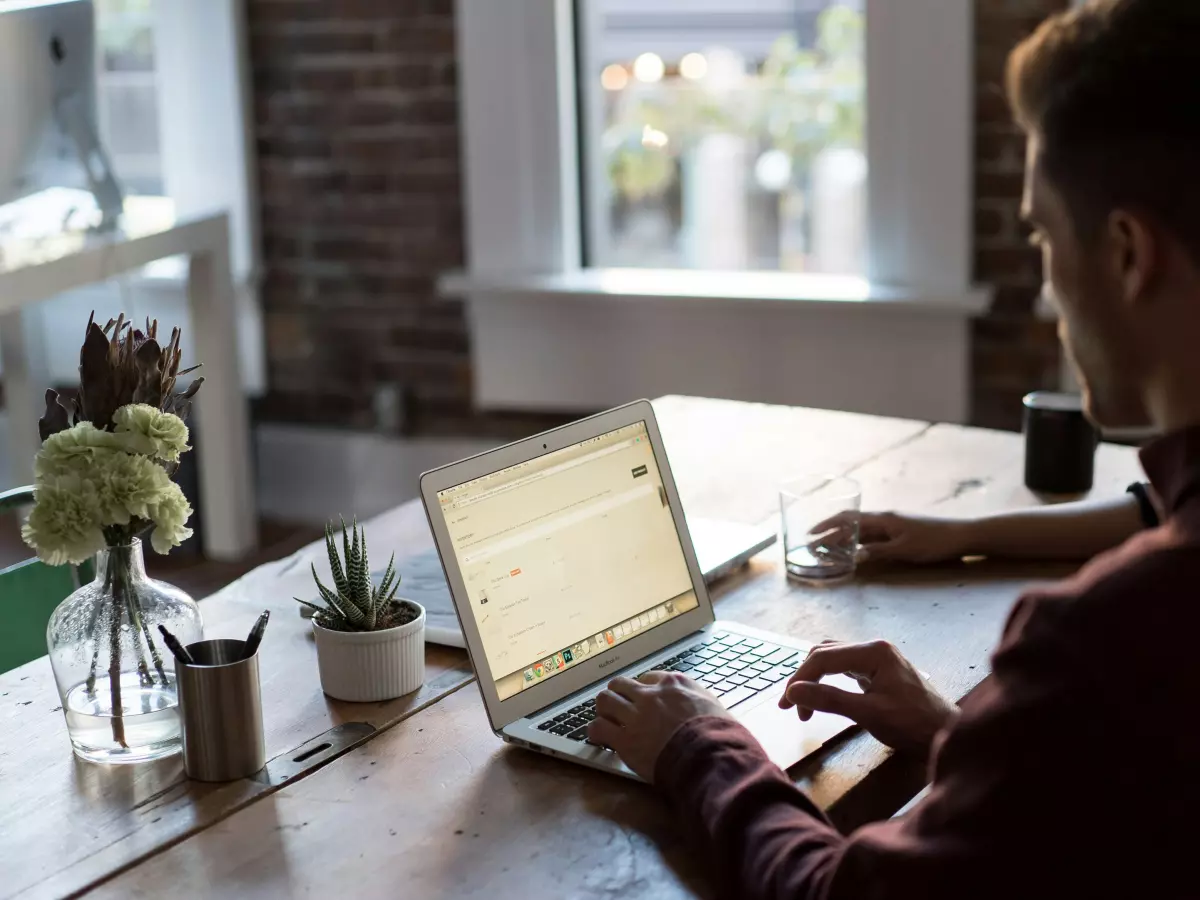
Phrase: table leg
[26,377]
[225,461]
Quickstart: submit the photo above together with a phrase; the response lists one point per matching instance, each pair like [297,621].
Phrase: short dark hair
[1112,91]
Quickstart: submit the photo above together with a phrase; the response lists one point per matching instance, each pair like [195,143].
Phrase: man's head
[1109,96]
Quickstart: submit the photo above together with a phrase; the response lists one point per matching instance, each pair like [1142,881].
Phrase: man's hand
[893,537]
[897,705]
[638,718]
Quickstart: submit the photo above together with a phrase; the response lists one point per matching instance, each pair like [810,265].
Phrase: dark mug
[1060,444]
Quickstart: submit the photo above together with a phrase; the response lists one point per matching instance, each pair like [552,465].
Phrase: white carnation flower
[129,486]
[66,523]
[74,448]
[151,431]
[170,515]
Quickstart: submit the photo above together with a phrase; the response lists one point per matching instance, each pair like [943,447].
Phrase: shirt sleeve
[765,837]
[768,839]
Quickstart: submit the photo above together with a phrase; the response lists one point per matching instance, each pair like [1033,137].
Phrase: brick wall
[356,113]
[1012,352]
[355,110]
[358,151]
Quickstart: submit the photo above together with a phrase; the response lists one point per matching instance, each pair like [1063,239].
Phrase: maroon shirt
[1074,771]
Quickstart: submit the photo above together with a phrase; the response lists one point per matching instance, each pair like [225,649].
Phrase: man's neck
[1171,392]
[1173,402]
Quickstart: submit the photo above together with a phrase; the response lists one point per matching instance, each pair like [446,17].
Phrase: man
[1075,770]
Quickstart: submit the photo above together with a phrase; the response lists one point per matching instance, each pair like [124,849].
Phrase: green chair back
[29,592]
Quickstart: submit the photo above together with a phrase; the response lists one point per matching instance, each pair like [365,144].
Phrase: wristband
[1145,504]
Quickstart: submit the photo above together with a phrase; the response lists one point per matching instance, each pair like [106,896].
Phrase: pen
[256,635]
[175,647]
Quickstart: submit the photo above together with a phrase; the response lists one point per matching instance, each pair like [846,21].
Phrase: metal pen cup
[220,710]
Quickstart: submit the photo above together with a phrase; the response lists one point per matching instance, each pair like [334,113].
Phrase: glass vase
[115,675]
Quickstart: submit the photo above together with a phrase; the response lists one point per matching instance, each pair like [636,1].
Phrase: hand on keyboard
[638,718]
[731,667]
[897,705]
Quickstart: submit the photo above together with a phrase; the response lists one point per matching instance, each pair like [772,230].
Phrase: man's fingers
[627,687]
[808,696]
[839,520]
[836,659]
[613,707]
[884,549]
[653,677]
[605,732]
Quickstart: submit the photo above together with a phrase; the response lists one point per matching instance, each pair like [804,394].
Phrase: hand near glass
[897,705]
[1072,531]
[820,516]
[908,538]
[896,537]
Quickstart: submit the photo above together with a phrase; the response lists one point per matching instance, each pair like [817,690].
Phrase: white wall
[529,354]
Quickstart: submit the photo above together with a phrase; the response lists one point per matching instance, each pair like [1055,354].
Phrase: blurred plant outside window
[722,157]
[126,96]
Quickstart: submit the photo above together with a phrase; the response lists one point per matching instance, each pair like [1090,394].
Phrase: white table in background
[32,271]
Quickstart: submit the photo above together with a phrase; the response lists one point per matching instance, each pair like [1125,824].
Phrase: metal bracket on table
[315,753]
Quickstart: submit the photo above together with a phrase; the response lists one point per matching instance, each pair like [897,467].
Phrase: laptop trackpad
[786,739]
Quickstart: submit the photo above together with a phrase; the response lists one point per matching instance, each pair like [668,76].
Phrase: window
[724,134]
[126,94]
[878,281]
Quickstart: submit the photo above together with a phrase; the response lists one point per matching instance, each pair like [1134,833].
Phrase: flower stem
[91,632]
[114,671]
[135,620]
[117,581]
[140,626]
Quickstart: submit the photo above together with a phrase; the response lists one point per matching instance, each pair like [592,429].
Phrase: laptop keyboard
[732,667]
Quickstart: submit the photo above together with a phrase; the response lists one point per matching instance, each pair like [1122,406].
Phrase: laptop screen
[566,555]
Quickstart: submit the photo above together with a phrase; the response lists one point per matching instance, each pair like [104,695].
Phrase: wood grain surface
[65,823]
[439,807]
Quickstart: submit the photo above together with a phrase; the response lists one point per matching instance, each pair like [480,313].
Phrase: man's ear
[1133,254]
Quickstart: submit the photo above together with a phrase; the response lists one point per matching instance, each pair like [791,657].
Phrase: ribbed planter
[367,666]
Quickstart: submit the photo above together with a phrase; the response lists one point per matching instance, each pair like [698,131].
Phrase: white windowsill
[591,339]
[723,289]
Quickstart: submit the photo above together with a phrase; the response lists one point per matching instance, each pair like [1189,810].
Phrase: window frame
[528,295]
[518,86]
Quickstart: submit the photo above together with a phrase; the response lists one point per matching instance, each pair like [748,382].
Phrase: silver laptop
[569,562]
[723,547]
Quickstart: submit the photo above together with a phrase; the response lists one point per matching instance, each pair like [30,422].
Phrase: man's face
[1096,327]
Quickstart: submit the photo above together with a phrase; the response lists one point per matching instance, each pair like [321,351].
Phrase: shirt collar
[1173,464]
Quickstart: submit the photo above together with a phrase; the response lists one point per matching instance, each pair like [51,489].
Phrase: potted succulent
[370,645]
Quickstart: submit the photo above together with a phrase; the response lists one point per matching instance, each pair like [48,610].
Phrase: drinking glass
[820,517]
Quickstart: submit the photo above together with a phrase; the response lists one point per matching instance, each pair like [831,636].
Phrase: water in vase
[148,728]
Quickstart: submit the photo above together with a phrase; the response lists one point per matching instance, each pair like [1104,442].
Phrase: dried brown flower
[118,368]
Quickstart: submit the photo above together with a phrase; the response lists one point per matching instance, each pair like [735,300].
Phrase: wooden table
[435,805]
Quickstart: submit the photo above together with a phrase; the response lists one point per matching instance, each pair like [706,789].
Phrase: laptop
[723,547]
[569,562]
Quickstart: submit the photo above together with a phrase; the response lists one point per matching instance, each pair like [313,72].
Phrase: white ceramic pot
[366,666]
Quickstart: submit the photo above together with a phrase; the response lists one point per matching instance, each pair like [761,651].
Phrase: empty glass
[820,517]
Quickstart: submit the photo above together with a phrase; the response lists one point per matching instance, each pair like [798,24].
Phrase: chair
[29,592]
